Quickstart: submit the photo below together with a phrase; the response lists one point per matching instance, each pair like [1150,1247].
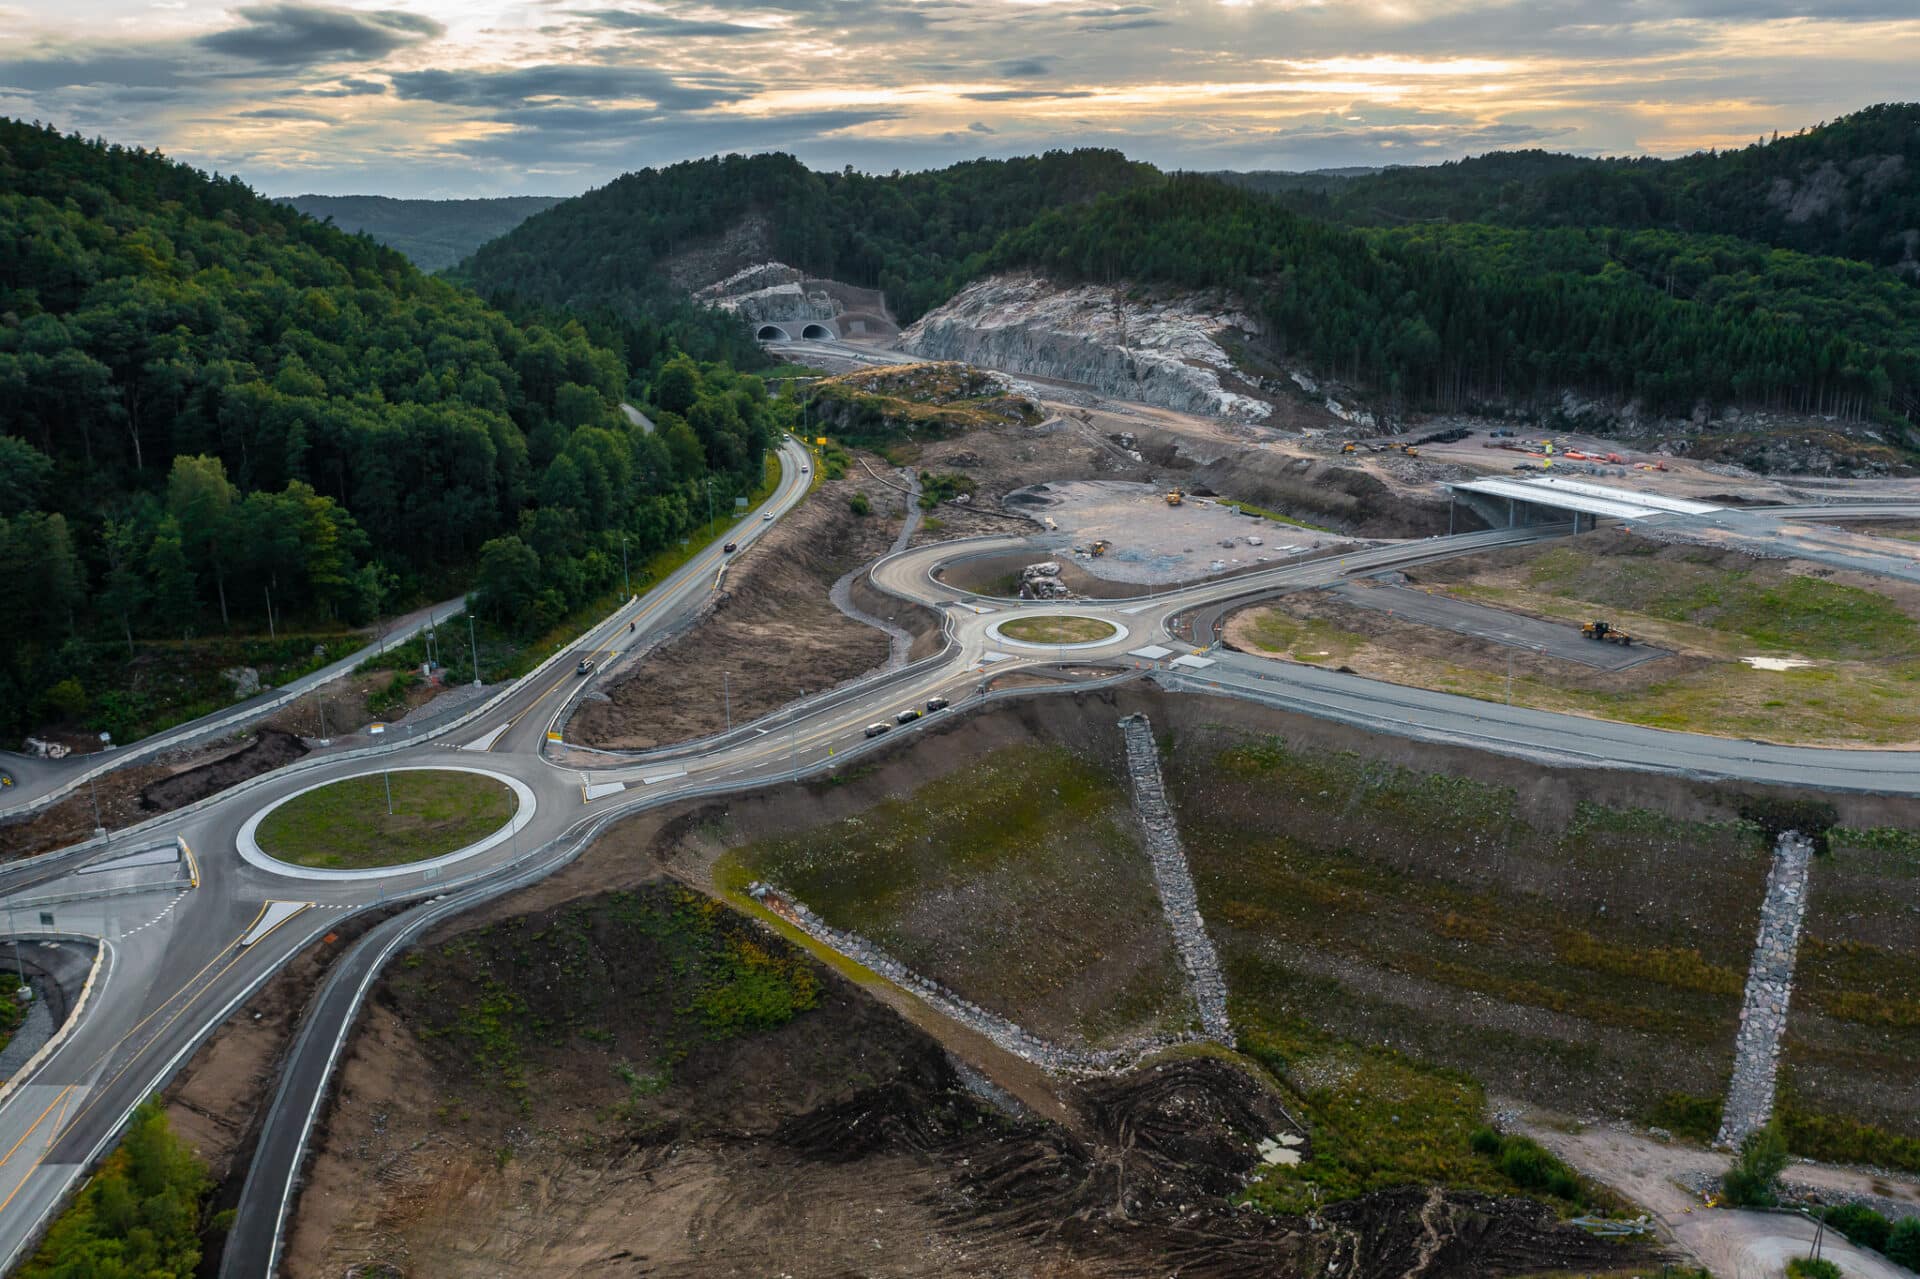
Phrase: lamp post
[726,697]
[625,579]
[476,649]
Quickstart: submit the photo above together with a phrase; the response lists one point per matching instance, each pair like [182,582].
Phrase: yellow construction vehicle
[1099,548]
[1411,451]
[1347,447]
[1175,497]
[1605,632]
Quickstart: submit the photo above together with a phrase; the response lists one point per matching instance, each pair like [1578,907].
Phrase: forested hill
[208,399]
[432,233]
[1446,315]
[917,236]
[1850,188]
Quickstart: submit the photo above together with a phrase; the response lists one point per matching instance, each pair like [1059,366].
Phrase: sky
[445,98]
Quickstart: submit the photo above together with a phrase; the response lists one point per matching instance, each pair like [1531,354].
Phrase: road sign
[552,736]
[376,728]
[820,440]
[740,503]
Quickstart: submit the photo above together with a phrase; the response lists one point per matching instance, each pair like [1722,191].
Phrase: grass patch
[1302,639]
[346,825]
[1261,512]
[1058,630]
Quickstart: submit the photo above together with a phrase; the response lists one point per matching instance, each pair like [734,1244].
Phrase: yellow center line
[36,1123]
[101,1089]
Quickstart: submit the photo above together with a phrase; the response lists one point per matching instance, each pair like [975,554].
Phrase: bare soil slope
[772,631]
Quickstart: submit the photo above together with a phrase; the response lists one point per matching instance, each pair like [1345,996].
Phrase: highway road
[176,960]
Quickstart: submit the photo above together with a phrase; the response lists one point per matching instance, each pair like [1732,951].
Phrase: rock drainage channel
[1763,1013]
[1178,897]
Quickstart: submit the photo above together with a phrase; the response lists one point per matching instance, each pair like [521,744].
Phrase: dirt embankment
[771,633]
[641,1083]
[131,795]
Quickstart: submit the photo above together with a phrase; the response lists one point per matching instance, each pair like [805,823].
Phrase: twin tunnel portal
[813,331]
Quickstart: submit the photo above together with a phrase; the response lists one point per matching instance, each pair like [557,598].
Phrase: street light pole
[270,631]
[476,649]
[625,579]
[726,695]
[387,777]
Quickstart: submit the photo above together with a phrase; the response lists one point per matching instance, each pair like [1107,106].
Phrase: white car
[766,517]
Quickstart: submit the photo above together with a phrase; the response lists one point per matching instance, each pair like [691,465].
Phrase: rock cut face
[1167,351]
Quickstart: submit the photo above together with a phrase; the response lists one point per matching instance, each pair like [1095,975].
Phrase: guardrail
[474,891]
[171,739]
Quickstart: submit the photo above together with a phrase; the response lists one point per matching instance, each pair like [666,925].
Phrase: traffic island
[1057,630]
[380,822]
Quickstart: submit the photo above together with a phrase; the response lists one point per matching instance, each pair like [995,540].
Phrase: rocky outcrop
[1169,351]
[769,291]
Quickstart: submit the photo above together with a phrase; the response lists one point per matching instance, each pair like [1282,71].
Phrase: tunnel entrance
[773,333]
[817,333]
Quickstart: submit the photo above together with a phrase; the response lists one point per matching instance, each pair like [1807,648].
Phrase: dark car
[585,667]
[906,717]
[937,704]
[731,547]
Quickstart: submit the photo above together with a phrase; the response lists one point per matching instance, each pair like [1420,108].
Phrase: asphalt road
[1515,630]
[176,962]
[37,782]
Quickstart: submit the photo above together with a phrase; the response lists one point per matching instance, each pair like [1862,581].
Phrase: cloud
[348,87]
[1126,24]
[980,126]
[521,85]
[666,24]
[1024,95]
[285,113]
[296,35]
[1020,67]
[65,70]
[622,139]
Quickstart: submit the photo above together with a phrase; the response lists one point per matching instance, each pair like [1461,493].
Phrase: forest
[1444,315]
[1849,188]
[434,234]
[1757,278]
[212,406]
[917,236]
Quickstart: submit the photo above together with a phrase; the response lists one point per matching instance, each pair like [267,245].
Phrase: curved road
[177,960]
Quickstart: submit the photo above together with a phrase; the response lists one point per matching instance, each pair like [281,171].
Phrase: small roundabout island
[400,819]
[1057,630]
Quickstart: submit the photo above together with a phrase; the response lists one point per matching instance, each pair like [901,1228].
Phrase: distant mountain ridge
[434,234]
[1849,188]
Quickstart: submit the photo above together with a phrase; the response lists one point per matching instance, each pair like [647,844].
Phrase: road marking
[29,1132]
[156,919]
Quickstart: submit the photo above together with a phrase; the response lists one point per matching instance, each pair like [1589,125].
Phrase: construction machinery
[1348,447]
[1100,548]
[1605,632]
[1175,497]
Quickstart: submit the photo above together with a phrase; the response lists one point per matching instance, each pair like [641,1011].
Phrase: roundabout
[402,820]
[1056,631]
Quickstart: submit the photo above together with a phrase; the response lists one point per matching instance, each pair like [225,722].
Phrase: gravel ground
[1156,543]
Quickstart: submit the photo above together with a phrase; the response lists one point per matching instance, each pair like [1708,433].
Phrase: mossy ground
[1435,915]
[1020,883]
[347,825]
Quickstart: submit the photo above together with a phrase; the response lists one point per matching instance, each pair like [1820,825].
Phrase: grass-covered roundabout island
[1051,628]
[346,825]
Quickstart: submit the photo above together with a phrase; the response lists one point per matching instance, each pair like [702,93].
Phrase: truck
[1175,497]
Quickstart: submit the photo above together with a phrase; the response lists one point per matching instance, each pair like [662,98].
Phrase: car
[906,716]
[766,517]
[806,470]
[874,730]
[937,704]
[585,667]
[731,547]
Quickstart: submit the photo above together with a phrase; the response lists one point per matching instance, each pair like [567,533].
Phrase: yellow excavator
[1605,632]
[1175,497]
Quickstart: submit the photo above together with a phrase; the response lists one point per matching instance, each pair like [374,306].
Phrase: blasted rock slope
[1170,351]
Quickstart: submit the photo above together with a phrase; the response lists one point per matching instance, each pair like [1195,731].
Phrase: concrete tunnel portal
[813,332]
